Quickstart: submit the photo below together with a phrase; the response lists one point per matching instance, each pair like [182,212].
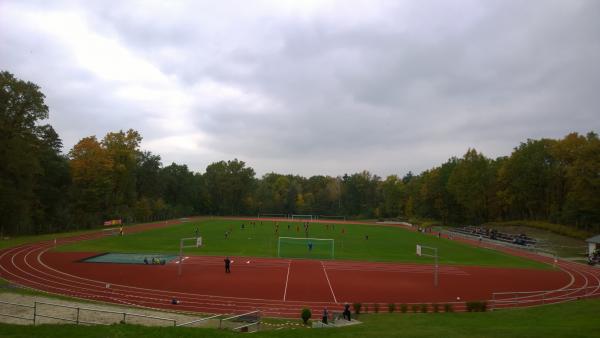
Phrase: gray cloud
[312,87]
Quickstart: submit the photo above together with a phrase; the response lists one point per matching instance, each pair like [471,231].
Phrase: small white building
[593,244]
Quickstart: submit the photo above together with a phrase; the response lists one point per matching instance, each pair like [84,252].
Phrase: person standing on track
[227,265]
[346,312]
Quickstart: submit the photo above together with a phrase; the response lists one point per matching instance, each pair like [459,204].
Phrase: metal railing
[32,318]
[250,318]
[81,316]
[78,310]
[200,320]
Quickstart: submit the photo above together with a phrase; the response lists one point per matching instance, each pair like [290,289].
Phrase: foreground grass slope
[574,319]
[384,243]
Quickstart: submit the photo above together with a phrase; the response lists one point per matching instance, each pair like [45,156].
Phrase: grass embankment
[552,227]
[8,242]
[384,243]
[574,319]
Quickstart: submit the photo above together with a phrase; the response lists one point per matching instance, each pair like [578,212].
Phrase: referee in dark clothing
[227,265]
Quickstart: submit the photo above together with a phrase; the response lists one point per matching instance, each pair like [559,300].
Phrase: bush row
[392,307]
[476,306]
[471,306]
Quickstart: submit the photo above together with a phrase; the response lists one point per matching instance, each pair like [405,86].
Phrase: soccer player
[227,265]
[310,245]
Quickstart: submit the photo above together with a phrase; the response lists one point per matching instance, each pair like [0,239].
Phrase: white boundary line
[287,277]
[328,282]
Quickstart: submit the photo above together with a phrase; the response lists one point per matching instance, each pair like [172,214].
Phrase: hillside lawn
[384,243]
[573,319]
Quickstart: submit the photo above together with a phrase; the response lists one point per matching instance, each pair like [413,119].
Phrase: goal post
[300,247]
[188,242]
[427,251]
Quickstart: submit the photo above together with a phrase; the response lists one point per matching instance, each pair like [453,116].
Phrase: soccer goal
[299,247]
[303,217]
[189,242]
[427,251]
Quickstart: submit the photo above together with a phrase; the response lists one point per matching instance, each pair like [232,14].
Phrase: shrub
[403,308]
[305,315]
[424,308]
[436,307]
[376,307]
[448,308]
[476,306]
[357,307]
[391,307]
[414,308]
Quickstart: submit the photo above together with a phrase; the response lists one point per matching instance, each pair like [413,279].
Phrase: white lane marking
[328,282]
[287,278]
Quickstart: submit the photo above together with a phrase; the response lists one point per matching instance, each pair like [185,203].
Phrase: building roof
[595,239]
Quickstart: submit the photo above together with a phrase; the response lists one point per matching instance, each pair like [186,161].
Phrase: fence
[246,322]
[16,309]
[46,313]
[43,312]
[201,320]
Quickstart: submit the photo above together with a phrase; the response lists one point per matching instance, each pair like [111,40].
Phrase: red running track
[281,287]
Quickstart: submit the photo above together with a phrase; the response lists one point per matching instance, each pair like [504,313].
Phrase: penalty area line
[328,282]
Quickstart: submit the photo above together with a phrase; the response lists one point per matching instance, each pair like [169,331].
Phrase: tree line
[45,190]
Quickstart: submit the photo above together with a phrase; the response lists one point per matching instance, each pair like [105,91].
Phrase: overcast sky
[311,87]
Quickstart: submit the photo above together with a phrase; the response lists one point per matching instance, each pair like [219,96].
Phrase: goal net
[298,247]
[303,217]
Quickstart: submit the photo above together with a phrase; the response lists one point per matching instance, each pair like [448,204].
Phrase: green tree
[582,205]
[526,179]
[470,183]
[30,161]
[228,185]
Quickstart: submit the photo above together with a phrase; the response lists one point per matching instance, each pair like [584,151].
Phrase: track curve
[27,265]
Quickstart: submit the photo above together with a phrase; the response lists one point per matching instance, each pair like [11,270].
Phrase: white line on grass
[287,277]
[328,282]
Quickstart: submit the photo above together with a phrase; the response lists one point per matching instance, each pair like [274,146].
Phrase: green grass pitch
[384,243]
